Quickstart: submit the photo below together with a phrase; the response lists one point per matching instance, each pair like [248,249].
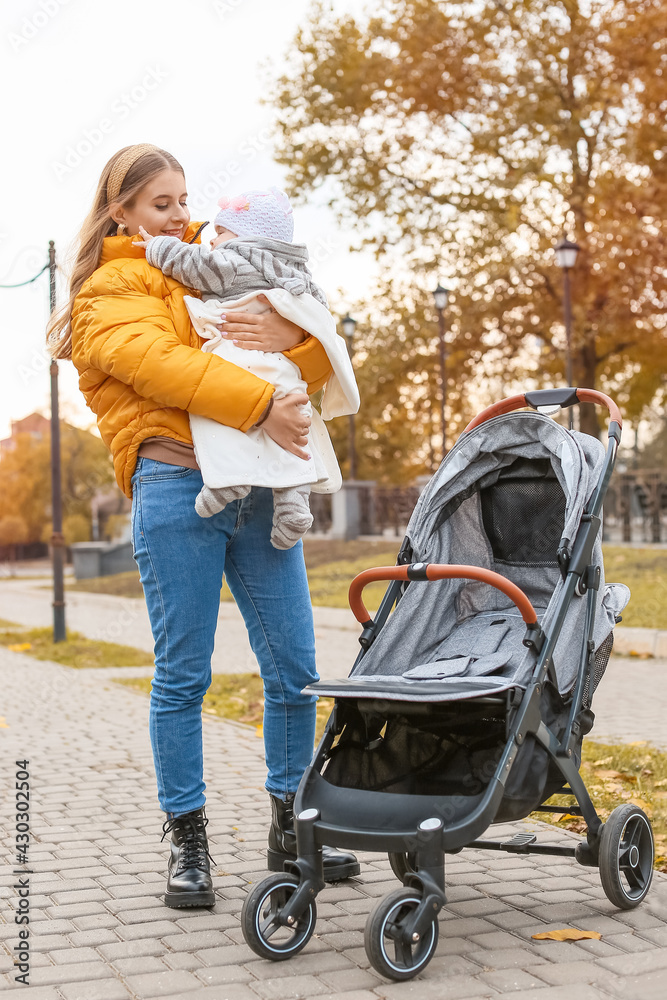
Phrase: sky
[81,80]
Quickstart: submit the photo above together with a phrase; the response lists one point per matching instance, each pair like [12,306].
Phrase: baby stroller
[467,706]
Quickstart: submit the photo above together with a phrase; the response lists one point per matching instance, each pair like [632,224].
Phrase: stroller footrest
[519,841]
[519,844]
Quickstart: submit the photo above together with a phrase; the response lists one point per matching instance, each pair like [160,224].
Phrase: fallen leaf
[606,775]
[639,743]
[636,801]
[661,784]
[20,647]
[259,732]
[567,934]
[603,760]
[3,724]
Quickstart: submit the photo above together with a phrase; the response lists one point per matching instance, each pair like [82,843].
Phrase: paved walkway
[99,929]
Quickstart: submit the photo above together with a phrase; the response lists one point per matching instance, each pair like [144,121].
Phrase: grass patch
[119,585]
[76,651]
[618,773]
[238,697]
[644,571]
[5,624]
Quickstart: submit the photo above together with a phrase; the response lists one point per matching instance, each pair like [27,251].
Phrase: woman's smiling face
[160,207]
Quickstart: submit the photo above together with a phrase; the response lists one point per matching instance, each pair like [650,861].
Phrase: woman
[142,371]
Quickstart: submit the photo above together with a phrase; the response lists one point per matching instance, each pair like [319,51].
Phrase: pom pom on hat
[258,213]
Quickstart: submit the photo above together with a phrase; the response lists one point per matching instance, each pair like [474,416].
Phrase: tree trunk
[585,373]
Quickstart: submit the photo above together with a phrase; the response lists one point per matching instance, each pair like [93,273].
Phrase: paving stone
[477,907]
[235,991]
[510,980]
[629,965]
[565,993]
[292,987]
[496,939]
[170,983]
[101,989]
[649,986]
[70,955]
[92,938]
[182,960]
[518,958]
[194,941]
[431,986]
[119,950]
[95,922]
[158,929]
[219,974]
[135,966]
[230,954]
[54,974]
[346,980]
[39,992]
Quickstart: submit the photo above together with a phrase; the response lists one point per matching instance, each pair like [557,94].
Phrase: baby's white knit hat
[258,213]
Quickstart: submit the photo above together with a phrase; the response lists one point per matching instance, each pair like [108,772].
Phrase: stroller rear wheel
[402,863]
[384,937]
[626,856]
[261,924]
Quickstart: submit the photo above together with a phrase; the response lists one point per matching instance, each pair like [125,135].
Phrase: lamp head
[566,253]
[349,326]
[440,296]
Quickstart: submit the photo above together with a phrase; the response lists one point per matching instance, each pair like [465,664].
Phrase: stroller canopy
[509,495]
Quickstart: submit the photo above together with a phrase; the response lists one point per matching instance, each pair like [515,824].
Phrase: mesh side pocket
[602,654]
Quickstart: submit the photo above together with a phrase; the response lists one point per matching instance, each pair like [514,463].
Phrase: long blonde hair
[99,224]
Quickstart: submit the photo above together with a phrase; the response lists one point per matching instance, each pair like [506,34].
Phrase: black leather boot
[282,845]
[189,882]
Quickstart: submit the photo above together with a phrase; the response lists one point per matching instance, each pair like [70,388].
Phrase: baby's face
[222,235]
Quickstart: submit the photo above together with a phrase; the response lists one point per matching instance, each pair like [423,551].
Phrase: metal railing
[635,509]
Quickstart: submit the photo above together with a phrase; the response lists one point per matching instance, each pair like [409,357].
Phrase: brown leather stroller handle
[546,397]
[437,571]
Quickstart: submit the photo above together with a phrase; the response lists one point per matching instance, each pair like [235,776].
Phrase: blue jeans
[181,559]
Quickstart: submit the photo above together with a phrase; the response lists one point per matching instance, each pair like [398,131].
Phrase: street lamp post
[440,296]
[349,326]
[566,258]
[57,539]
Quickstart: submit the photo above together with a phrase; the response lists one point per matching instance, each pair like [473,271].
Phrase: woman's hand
[288,425]
[268,331]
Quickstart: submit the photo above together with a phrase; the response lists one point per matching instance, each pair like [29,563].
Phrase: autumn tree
[463,139]
[25,481]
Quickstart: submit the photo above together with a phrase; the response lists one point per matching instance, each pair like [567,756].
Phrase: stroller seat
[478,658]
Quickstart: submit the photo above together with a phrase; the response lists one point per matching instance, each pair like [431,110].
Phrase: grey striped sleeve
[191,264]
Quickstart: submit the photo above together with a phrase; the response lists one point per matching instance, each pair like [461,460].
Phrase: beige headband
[122,165]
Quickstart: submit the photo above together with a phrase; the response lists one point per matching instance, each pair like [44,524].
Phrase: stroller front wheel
[262,927]
[626,856]
[388,951]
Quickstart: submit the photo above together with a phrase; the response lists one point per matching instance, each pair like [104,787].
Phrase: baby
[253,254]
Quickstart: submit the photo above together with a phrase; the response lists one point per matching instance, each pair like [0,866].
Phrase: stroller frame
[408,917]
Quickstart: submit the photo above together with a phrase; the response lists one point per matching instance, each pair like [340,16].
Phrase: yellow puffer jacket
[140,366]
